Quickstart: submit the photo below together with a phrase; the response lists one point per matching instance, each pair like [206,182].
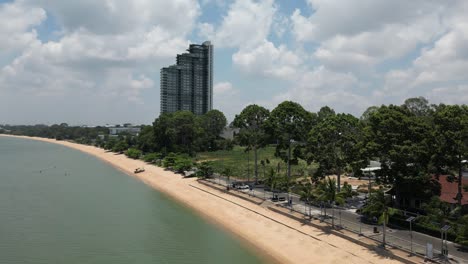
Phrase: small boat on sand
[138,170]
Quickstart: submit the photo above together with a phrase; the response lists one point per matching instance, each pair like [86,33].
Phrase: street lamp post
[339,213]
[333,214]
[410,220]
[444,249]
[360,226]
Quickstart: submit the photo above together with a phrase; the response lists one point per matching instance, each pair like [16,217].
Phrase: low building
[449,190]
[126,129]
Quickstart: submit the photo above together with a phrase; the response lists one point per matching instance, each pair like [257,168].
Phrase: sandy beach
[275,237]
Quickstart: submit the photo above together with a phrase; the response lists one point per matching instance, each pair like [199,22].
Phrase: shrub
[133,153]
[152,157]
[182,164]
[169,160]
[205,169]
[121,146]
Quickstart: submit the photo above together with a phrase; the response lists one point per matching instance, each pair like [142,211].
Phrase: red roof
[449,190]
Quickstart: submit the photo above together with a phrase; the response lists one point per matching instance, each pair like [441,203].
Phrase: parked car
[243,187]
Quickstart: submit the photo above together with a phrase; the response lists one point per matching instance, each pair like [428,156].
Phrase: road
[352,221]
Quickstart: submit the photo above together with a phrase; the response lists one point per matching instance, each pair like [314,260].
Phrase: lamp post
[333,213]
[360,225]
[410,220]
[444,249]
[338,176]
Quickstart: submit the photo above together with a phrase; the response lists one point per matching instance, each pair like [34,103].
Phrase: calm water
[58,205]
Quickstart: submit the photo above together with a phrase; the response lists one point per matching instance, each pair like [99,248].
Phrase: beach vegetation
[133,153]
[169,160]
[205,169]
[152,157]
[182,164]
[120,146]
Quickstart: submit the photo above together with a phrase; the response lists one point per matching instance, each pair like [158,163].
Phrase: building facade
[188,85]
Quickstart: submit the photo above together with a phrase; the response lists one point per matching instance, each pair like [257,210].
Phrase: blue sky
[98,62]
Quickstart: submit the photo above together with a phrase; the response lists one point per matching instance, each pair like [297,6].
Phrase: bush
[121,146]
[182,164]
[205,170]
[133,153]
[152,157]
[169,160]
[224,144]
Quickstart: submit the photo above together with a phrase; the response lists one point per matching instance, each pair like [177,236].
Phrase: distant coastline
[275,243]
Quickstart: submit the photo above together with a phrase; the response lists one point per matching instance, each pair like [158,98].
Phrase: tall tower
[188,85]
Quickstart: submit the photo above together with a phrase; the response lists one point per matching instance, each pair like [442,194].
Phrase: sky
[98,62]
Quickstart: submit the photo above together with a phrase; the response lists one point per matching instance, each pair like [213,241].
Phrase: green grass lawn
[237,160]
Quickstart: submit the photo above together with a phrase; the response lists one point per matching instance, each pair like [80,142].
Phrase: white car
[243,187]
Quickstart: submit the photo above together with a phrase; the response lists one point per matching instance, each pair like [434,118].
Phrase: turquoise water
[58,205]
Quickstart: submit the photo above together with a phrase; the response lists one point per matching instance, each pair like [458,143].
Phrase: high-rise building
[188,85]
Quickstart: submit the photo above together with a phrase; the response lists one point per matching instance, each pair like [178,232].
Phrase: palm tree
[327,192]
[272,180]
[227,172]
[307,193]
[377,207]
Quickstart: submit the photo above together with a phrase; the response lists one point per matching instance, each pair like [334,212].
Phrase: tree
[307,194]
[402,143]
[183,163]
[462,234]
[325,112]
[334,144]
[177,132]
[169,160]
[205,169]
[110,143]
[327,191]
[436,212]
[145,140]
[213,123]
[164,133]
[228,173]
[347,190]
[377,207]
[418,106]
[289,122]
[368,113]
[120,146]
[272,180]
[133,153]
[152,157]
[451,133]
[252,134]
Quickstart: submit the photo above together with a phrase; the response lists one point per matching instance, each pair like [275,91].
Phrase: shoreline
[255,226]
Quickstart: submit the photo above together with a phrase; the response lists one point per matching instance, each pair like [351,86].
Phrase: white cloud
[367,32]
[457,94]
[322,86]
[108,49]
[224,88]
[246,24]
[268,60]
[16,25]
[367,49]
[443,64]
[122,16]
[347,18]
[227,99]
